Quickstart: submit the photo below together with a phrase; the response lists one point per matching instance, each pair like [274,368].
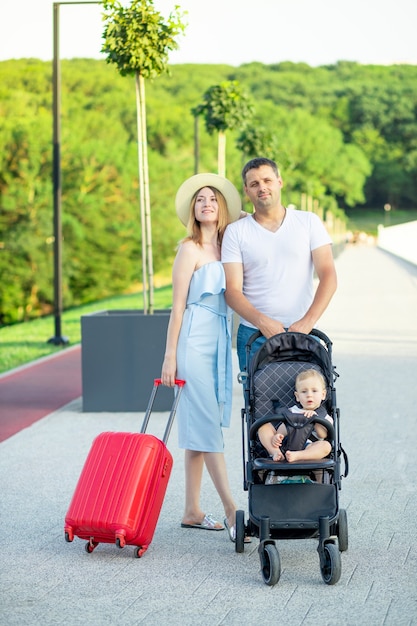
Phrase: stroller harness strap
[299,428]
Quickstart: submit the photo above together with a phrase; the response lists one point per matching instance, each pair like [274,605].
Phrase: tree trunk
[221,156]
[141,192]
[196,145]
[148,220]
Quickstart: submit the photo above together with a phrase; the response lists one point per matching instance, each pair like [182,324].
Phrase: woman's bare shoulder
[188,252]
[189,247]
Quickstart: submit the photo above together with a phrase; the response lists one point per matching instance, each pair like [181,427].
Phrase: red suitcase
[122,485]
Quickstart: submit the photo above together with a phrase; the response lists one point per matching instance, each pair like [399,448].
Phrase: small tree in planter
[224,107]
[137,40]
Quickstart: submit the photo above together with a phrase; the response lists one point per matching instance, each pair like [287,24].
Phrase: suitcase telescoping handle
[157,383]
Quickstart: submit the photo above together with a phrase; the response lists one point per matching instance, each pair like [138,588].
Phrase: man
[269,258]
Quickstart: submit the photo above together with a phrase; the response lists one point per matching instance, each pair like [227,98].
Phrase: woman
[198,346]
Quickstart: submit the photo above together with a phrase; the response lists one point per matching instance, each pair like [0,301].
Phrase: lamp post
[58,338]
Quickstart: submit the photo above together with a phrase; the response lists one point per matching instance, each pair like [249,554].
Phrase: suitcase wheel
[69,536]
[91,545]
[140,551]
[120,540]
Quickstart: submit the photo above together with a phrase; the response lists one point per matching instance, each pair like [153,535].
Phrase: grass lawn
[22,343]
[367,220]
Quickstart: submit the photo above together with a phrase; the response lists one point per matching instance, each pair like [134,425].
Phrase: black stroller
[305,503]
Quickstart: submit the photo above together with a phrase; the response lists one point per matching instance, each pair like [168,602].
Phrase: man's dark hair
[255,164]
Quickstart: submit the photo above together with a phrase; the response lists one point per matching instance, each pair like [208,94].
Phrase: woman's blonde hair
[194,226]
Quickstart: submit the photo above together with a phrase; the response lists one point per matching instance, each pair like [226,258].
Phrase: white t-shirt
[277,267]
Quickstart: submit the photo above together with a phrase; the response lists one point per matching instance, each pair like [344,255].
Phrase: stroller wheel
[240,531]
[331,564]
[270,564]
[342,530]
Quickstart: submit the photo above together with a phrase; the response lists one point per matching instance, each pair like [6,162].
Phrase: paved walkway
[190,578]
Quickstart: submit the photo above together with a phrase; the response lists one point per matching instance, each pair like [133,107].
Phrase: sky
[317,32]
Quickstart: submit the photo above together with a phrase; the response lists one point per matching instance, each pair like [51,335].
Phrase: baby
[310,391]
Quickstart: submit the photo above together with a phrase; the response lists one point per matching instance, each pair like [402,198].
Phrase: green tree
[315,159]
[137,40]
[346,135]
[225,107]
[257,140]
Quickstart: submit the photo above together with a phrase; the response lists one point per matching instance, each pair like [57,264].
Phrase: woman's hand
[169,371]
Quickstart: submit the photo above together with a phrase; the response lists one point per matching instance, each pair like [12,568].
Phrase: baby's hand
[277,440]
[309,413]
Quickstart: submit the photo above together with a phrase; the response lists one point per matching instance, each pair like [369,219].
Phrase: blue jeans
[242,338]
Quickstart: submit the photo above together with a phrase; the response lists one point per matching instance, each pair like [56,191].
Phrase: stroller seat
[272,390]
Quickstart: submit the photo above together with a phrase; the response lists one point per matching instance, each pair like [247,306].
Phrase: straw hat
[193,184]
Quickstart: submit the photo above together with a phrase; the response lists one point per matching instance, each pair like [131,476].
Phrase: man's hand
[270,327]
[301,326]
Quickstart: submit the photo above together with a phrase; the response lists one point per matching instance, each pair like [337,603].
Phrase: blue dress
[204,354]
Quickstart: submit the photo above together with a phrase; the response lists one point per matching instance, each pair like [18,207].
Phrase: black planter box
[121,355]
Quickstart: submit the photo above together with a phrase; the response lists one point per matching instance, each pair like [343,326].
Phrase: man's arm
[241,305]
[326,273]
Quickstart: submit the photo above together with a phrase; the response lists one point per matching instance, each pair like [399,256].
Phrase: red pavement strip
[33,391]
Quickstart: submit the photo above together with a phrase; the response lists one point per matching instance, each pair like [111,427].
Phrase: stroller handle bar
[315,332]
[276,417]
